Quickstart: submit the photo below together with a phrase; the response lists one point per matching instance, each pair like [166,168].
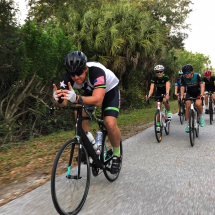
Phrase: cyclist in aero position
[100,88]
[162,83]
[195,89]
[178,86]
[209,82]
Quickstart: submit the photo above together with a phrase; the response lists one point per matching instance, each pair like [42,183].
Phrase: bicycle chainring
[95,170]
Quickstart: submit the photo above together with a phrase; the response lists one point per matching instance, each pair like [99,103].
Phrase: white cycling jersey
[98,77]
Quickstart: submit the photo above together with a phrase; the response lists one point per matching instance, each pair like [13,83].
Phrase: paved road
[170,177]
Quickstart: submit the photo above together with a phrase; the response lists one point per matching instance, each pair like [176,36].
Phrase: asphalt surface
[169,177]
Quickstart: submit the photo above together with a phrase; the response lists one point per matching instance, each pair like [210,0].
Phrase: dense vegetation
[130,37]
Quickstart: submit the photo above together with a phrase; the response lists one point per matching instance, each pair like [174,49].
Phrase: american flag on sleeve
[99,81]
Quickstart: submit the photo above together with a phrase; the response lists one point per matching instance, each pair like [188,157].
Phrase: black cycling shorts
[209,89]
[194,95]
[111,102]
[159,94]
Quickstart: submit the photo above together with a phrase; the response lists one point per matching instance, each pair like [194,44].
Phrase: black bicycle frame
[83,137]
[210,96]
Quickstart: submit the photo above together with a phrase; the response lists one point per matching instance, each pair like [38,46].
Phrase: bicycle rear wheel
[167,127]
[197,125]
[70,179]
[158,129]
[211,112]
[192,127]
[167,122]
[107,156]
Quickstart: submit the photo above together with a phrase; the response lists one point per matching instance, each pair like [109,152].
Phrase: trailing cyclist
[100,88]
[178,86]
[195,89]
[209,82]
[162,83]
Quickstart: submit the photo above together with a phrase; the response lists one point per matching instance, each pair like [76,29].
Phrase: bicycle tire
[181,114]
[167,127]
[192,128]
[158,135]
[107,155]
[167,122]
[184,111]
[69,195]
[197,126]
[211,112]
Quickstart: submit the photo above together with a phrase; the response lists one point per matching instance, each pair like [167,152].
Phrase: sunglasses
[187,73]
[77,73]
[159,72]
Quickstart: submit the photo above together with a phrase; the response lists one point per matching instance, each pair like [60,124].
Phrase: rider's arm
[182,87]
[202,89]
[96,98]
[201,83]
[176,89]
[167,87]
[182,92]
[176,86]
[151,89]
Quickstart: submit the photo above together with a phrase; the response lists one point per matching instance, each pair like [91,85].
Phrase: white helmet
[159,68]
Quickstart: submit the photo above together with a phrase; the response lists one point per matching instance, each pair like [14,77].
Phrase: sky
[202,36]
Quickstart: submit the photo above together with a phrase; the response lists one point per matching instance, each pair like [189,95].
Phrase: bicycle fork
[77,176]
[195,115]
[162,115]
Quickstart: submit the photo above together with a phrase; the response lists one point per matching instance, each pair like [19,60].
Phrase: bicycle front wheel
[181,114]
[158,128]
[70,178]
[167,128]
[192,127]
[211,112]
[107,156]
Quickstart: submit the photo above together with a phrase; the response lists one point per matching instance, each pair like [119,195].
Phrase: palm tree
[117,35]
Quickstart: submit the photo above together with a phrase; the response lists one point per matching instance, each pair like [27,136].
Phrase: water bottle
[99,135]
[92,140]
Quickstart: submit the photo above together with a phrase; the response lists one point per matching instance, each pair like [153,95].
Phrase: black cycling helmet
[75,62]
[187,68]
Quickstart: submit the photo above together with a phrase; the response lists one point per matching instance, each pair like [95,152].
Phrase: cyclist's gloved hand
[56,93]
[70,94]
[167,96]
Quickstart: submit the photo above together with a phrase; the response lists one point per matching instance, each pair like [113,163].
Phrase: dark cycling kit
[209,85]
[98,76]
[193,85]
[178,83]
[160,84]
